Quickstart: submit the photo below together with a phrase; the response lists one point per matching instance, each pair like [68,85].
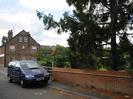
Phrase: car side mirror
[10,66]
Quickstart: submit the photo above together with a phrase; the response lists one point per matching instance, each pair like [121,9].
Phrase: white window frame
[20,39]
[34,48]
[12,48]
[25,39]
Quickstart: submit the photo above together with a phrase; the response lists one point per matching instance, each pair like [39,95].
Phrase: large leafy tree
[93,23]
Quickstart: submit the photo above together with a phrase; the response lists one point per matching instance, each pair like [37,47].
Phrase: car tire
[9,79]
[46,82]
[22,83]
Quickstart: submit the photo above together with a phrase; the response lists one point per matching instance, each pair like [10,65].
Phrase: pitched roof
[23,31]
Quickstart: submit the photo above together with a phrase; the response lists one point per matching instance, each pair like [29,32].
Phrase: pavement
[71,90]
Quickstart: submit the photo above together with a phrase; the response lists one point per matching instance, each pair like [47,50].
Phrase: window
[34,48]
[20,39]
[11,48]
[25,39]
[29,65]
[17,64]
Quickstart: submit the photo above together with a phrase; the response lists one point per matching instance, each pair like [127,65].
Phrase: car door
[11,69]
[17,71]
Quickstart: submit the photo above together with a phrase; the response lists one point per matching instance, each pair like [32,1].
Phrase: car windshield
[29,65]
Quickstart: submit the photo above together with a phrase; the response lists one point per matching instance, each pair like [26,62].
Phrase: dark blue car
[26,72]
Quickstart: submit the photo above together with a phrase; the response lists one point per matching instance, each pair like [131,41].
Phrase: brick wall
[120,82]
[1,61]
[2,56]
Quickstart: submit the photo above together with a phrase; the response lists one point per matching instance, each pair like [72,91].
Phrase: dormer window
[25,39]
[20,39]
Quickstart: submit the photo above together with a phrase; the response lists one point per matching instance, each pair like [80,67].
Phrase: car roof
[26,61]
[23,61]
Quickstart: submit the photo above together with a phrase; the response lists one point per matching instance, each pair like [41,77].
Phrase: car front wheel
[9,79]
[22,83]
[46,82]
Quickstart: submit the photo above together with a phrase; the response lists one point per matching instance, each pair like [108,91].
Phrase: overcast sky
[21,15]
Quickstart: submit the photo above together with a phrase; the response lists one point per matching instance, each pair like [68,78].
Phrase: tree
[4,40]
[124,52]
[131,57]
[84,41]
[44,56]
[93,23]
[61,56]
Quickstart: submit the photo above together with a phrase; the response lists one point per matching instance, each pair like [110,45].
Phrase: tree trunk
[114,54]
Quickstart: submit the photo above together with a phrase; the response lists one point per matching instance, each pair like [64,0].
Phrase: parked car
[26,72]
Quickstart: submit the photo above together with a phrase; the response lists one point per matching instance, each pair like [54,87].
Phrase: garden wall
[121,82]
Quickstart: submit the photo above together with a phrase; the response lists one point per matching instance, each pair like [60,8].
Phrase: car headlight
[46,74]
[29,76]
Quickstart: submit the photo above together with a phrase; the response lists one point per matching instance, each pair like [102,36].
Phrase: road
[14,91]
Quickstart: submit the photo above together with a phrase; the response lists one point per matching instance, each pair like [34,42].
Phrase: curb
[73,93]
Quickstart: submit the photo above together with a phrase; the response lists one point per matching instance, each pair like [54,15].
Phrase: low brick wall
[121,82]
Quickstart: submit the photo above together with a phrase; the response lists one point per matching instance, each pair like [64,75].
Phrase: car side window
[17,64]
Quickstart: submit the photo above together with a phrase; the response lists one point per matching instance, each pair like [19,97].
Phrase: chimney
[10,34]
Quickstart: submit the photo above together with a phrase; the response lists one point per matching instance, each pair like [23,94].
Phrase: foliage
[44,56]
[124,48]
[58,55]
[61,56]
[131,57]
[92,24]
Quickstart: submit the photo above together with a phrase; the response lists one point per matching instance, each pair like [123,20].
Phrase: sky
[21,15]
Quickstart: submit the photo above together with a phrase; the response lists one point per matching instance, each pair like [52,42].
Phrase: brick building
[20,47]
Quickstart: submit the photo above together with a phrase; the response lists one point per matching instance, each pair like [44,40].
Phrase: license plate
[40,78]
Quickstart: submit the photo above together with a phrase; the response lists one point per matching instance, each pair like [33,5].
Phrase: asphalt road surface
[14,91]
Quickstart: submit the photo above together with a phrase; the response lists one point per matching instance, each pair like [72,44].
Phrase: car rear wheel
[22,83]
[9,79]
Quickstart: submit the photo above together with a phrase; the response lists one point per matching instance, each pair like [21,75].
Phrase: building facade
[20,47]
